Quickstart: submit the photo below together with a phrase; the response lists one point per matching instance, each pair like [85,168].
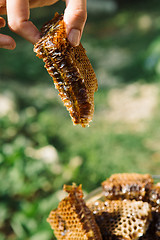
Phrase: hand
[75,16]
[5,41]
[18,12]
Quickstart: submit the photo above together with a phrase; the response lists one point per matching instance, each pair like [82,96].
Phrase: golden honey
[70,69]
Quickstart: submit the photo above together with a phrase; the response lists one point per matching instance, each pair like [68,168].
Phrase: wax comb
[70,69]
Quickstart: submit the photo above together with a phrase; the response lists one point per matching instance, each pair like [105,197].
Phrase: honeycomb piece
[154,197]
[70,69]
[128,186]
[121,219]
[149,236]
[73,220]
[153,232]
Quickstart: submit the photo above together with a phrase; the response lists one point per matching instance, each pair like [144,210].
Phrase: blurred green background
[40,149]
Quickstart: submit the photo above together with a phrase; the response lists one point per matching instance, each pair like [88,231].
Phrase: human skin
[18,14]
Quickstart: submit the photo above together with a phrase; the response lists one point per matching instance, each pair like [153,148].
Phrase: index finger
[76,13]
[75,16]
[18,20]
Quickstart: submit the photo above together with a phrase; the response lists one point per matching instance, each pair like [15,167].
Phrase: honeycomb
[154,197]
[153,232]
[126,218]
[128,186]
[70,69]
[117,219]
[73,220]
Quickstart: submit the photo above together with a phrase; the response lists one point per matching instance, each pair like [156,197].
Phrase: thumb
[75,16]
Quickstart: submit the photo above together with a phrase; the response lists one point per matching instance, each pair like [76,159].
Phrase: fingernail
[37,38]
[9,46]
[74,37]
[12,47]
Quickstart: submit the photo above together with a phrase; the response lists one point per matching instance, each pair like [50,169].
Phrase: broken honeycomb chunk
[128,186]
[121,219]
[73,220]
[70,69]
[109,219]
[154,197]
[153,232]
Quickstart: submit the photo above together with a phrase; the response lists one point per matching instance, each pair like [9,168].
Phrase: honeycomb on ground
[128,186]
[70,69]
[73,220]
[117,219]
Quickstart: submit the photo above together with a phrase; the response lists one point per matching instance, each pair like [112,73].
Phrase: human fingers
[2,3]
[2,7]
[18,14]
[32,4]
[6,41]
[75,16]
[2,22]
[40,3]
